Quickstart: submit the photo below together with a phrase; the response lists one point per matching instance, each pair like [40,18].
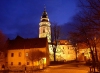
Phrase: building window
[19,63]
[11,63]
[28,63]
[20,54]
[12,54]
[44,30]
[26,54]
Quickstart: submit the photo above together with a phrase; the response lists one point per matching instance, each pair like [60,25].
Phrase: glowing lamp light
[44,60]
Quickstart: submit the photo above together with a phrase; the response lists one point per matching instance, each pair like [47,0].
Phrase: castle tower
[44,26]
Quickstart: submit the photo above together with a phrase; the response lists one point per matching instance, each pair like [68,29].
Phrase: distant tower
[44,26]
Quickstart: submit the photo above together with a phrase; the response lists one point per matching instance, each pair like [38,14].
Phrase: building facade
[18,53]
[64,50]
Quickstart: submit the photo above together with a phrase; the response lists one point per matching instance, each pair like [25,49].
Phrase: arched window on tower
[43,29]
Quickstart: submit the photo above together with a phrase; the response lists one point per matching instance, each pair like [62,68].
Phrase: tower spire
[44,7]
[44,16]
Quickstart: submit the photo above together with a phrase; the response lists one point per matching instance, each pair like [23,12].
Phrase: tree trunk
[96,54]
[93,59]
[76,54]
[54,56]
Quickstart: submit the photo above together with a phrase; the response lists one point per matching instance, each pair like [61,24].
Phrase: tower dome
[44,17]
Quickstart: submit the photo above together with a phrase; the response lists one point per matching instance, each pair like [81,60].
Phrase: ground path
[65,68]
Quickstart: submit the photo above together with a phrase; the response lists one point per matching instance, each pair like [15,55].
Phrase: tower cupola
[44,17]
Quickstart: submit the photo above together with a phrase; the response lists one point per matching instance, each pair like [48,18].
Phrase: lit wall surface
[18,58]
[63,53]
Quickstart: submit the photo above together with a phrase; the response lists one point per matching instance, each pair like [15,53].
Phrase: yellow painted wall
[23,59]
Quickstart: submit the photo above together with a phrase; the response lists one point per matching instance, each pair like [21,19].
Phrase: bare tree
[3,40]
[91,11]
[55,35]
[88,28]
[3,46]
[35,55]
[86,34]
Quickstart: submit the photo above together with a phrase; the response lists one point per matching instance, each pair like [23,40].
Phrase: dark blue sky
[22,17]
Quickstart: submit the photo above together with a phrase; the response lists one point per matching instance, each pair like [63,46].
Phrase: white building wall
[63,53]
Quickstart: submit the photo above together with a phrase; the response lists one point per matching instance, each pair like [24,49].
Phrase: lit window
[43,30]
[11,63]
[28,63]
[26,54]
[19,63]
[12,54]
[19,54]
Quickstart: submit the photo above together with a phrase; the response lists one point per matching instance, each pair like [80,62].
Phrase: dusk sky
[22,17]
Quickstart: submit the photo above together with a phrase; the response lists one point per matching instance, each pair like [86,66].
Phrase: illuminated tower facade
[44,27]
